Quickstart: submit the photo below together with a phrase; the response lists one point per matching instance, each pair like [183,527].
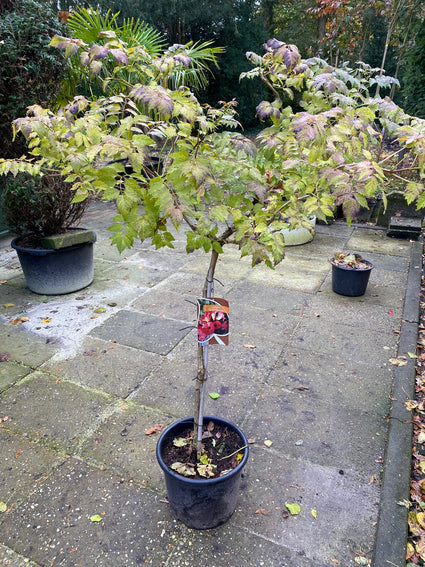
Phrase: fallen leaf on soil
[181,442]
[421,437]
[19,320]
[207,471]
[154,429]
[361,560]
[184,469]
[262,511]
[294,509]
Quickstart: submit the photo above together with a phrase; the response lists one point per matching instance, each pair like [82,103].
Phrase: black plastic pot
[55,272]
[207,503]
[349,281]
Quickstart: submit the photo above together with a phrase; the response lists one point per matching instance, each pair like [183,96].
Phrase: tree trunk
[202,373]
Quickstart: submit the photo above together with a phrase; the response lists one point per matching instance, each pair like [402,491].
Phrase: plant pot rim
[43,251]
[201,481]
[348,269]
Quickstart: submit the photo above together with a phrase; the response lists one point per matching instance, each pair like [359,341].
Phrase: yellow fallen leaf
[96,518]
[294,509]
[19,320]
[46,320]
[268,443]
[314,513]
[3,507]
[100,310]
[8,305]
[249,346]
[400,361]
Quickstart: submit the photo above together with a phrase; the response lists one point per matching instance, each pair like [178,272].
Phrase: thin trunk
[202,374]
[390,30]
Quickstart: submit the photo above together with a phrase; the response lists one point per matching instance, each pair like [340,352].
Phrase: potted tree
[220,187]
[350,274]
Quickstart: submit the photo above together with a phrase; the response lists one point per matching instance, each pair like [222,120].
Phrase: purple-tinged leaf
[98,52]
[266,109]
[120,56]
[183,58]
[95,68]
[155,97]
[71,49]
[84,59]
[272,44]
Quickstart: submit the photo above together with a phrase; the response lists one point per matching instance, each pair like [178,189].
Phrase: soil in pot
[222,450]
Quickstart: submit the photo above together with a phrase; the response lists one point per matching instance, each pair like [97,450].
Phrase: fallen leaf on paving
[96,518]
[249,346]
[412,355]
[390,312]
[421,437]
[8,305]
[262,511]
[4,357]
[5,418]
[3,506]
[154,429]
[361,560]
[46,320]
[294,509]
[89,352]
[334,560]
[18,452]
[214,395]
[19,320]
[252,440]
[100,310]
[268,443]
[399,361]
[314,513]
[301,387]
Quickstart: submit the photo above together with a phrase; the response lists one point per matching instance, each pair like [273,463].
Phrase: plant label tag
[213,321]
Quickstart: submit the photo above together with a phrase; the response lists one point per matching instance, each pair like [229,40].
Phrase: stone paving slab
[142,331]
[23,466]
[32,408]
[105,366]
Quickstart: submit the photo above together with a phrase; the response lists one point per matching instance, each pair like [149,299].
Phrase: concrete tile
[142,331]
[32,409]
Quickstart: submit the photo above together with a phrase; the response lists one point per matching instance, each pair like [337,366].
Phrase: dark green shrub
[40,204]
[30,71]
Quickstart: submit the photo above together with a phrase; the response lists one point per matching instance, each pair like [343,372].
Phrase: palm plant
[89,26]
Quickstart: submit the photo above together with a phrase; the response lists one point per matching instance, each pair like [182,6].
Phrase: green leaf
[294,509]
[214,395]
[3,507]
[96,518]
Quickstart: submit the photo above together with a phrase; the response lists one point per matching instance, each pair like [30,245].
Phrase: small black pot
[349,281]
[207,503]
[55,272]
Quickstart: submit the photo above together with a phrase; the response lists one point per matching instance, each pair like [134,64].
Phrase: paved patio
[306,369]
